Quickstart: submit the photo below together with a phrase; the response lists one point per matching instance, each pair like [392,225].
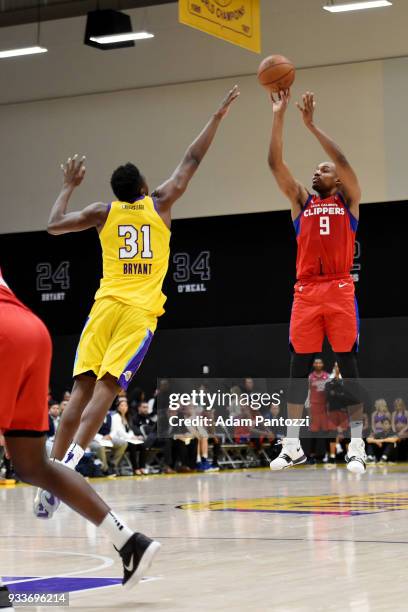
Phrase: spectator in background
[235,405]
[53,419]
[317,402]
[381,444]
[66,396]
[337,415]
[103,441]
[145,424]
[380,414]
[161,397]
[399,418]
[185,443]
[248,386]
[5,460]
[399,421]
[145,428]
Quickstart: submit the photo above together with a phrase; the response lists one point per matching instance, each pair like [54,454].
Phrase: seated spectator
[144,424]
[144,428]
[53,419]
[381,444]
[185,443]
[5,461]
[399,419]
[66,397]
[104,440]
[381,412]
[235,406]
[123,432]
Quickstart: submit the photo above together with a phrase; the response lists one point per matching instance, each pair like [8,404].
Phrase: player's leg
[292,452]
[122,334]
[342,327]
[81,394]
[356,455]
[91,350]
[31,463]
[105,391]
[306,335]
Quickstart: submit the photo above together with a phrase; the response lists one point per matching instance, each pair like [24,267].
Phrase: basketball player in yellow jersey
[135,233]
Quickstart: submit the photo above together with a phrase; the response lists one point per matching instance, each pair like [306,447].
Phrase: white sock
[73,456]
[356,428]
[116,530]
[293,432]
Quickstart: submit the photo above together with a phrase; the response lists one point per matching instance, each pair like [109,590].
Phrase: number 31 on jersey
[132,241]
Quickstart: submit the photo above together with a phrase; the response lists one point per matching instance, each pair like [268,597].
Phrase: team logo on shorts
[127,375]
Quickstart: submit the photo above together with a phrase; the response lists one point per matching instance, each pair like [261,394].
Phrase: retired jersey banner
[236,21]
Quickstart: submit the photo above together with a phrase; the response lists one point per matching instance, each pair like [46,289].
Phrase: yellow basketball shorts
[115,340]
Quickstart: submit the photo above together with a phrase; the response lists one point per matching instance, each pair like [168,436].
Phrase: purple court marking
[57,584]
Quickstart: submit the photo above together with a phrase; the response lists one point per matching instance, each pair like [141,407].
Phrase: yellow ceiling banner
[236,21]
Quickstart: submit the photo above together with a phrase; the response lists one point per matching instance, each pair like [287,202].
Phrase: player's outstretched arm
[350,185]
[61,222]
[175,186]
[296,192]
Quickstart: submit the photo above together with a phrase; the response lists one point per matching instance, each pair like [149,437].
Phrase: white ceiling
[299,29]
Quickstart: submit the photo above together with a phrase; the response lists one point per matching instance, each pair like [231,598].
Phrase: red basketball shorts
[324,308]
[337,418]
[25,357]
[318,418]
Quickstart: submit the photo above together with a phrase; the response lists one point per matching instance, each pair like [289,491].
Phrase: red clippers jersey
[325,233]
[317,385]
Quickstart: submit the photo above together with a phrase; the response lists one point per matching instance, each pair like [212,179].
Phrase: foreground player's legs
[292,452]
[88,421]
[33,466]
[356,455]
[92,417]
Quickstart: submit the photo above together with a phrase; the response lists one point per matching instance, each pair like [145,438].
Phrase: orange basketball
[276,72]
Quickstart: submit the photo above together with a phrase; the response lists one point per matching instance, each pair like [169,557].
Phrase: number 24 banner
[236,21]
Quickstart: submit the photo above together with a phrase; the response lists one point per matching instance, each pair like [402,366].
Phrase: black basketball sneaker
[137,556]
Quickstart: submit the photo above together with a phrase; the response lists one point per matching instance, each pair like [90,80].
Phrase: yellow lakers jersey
[135,250]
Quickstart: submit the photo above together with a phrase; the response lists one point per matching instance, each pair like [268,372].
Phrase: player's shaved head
[128,183]
[325,179]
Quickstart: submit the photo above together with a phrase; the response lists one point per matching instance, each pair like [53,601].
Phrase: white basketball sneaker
[356,457]
[45,504]
[291,454]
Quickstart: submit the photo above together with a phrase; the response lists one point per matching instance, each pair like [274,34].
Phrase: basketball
[276,72]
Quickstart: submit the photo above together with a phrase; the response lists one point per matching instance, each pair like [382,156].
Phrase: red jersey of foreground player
[25,357]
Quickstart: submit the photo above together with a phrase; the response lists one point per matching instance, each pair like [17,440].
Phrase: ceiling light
[109,29]
[356,6]
[114,38]
[22,51]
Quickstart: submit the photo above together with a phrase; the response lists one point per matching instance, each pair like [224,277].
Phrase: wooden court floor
[306,539]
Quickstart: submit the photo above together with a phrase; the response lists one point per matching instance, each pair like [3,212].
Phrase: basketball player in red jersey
[317,396]
[324,300]
[25,359]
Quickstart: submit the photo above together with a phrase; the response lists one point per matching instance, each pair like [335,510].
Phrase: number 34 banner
[236,21]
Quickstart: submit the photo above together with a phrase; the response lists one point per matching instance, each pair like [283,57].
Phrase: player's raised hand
[232,95]
[74,171]
[280,101]
[307,110]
